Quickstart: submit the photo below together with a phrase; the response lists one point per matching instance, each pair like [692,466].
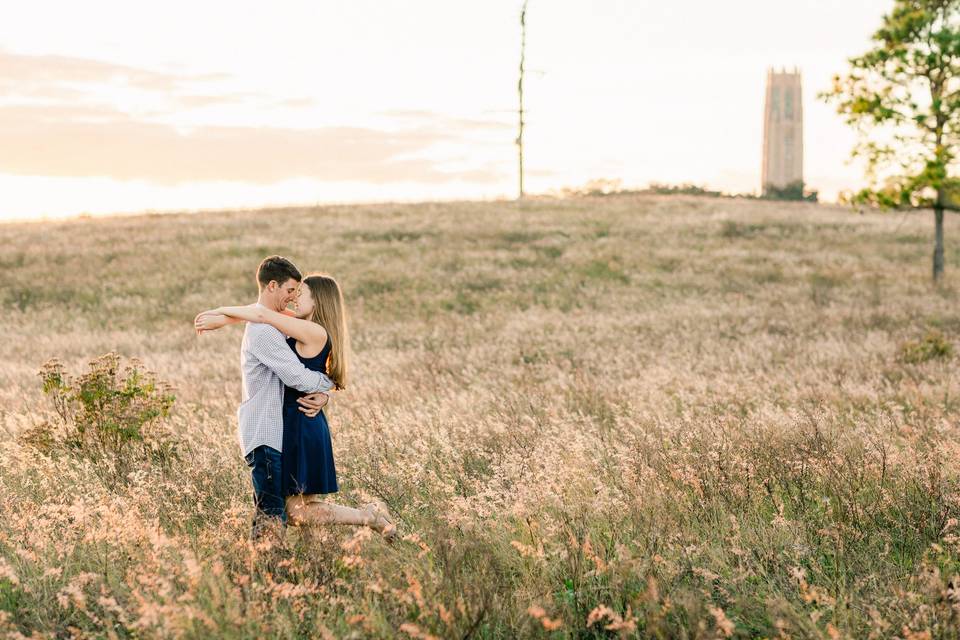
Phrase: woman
[318,336]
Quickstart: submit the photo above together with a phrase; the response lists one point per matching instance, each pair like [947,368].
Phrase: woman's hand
[209,321]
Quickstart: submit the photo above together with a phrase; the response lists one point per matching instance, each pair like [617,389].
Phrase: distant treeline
[606,187]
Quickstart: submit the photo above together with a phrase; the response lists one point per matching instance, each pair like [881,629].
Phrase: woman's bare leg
[311,510]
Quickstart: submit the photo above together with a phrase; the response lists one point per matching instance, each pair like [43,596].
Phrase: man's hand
[311,404]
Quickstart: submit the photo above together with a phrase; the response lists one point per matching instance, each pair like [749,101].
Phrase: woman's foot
[381,520]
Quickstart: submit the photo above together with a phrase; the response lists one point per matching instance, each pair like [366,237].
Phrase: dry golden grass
[661,416]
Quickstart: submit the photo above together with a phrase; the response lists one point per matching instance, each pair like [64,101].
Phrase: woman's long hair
[331,314]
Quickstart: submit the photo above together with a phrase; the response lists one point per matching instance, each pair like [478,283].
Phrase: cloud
[21,70]
[64,136]
[56,77]
[298,102]
[207,100]
[89,141]
[432,119]
[51,93]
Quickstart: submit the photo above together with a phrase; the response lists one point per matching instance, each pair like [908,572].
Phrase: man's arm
[268,345]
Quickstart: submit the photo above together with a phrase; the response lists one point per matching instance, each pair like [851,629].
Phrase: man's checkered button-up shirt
[268,363]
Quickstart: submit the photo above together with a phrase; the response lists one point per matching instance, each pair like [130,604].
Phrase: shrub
[686,189]
[111,416]
[792,191]
[932,345]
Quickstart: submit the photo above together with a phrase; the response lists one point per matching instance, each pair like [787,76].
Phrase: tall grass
[646,416]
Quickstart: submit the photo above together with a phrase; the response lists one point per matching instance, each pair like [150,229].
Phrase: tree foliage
[903,98]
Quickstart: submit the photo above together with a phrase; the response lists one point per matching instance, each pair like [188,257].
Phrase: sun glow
[327,101]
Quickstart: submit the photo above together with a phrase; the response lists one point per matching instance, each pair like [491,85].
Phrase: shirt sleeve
[269,347]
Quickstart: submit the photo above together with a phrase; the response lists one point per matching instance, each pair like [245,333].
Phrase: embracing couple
[290,362]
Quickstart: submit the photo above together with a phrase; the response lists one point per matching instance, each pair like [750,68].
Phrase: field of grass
[653,416]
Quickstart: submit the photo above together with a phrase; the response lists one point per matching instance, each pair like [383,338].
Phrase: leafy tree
[903,98]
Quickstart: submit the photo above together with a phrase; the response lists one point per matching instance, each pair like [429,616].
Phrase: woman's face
[304,302]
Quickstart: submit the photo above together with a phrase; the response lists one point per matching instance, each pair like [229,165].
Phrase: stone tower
[783,132]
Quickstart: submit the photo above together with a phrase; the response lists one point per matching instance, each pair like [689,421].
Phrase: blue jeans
[266,473]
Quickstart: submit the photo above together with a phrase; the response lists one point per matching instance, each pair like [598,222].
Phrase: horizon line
[553,194]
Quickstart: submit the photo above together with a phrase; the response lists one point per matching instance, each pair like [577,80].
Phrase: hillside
[696,412]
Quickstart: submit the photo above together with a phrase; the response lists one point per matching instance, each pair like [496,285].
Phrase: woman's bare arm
[210,321]
[306,331]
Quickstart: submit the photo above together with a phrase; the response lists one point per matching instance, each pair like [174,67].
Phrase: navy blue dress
[307,450]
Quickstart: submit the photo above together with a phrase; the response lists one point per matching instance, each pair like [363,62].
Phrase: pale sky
[110,106]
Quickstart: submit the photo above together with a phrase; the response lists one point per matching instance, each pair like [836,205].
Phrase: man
[267,364]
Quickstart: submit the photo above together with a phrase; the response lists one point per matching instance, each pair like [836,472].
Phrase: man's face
[285,294]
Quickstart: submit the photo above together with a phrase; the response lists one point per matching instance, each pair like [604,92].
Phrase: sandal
[382,520]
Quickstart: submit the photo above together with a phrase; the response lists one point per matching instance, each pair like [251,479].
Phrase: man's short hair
[276,268]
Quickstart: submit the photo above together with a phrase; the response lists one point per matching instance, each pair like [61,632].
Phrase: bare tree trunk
[942,162]
[523,47]
[938,243]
